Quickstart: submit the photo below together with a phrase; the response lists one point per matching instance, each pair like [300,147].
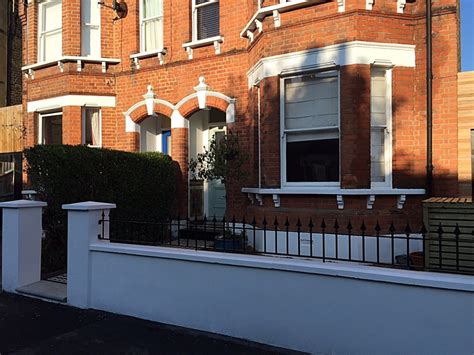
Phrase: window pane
[92,127]
[52,129]
[52,16]
[52,46]
[313,161]
[152,8]
[377,155]
[312,101]
[378,98]
[208,21]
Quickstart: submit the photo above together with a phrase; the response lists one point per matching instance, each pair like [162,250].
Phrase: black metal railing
[438,248]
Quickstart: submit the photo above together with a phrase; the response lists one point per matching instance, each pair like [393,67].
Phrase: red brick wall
[310,27]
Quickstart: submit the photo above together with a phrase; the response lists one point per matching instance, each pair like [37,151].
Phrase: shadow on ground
[30,326]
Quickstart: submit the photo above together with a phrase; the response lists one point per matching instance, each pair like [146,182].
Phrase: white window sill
[159,53]
[65,59]
[215,41]
[263,12]
[255,194]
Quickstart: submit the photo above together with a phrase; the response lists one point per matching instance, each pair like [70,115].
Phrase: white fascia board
[349,53]
[71,100]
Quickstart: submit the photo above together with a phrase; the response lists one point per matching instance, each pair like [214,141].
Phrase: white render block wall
[21,243]
[299,304]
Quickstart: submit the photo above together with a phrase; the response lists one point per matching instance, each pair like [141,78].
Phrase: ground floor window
[91,126]
[310,129]
[50,128]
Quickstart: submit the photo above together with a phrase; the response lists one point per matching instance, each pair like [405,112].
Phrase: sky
[467,35]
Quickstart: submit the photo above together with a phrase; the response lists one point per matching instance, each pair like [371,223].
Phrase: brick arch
[190,105]
[138,112]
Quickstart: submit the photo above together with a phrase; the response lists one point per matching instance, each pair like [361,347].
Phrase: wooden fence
[11,129]
[465,127]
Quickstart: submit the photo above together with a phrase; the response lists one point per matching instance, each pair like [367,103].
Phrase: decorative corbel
[259,25]
[150,97]
[230,112]
[276,18]
[252,200]
[104,67]
[258,197]
[161,58]
[202,88]
[401,201]
[30,73]
[136,62]
[370,201]
[61,66]
[79,65]
[369,4]
[189,50]
[217,47]
[401,6]
[276,200]
[250,36]
[340,202]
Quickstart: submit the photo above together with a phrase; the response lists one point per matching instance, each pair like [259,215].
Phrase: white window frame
[142,25]
[83,124]
[388,128]
[194,18]
[283,132]
[41,33]
[95,26]
[41,116]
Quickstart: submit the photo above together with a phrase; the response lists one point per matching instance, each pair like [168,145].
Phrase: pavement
[31,326]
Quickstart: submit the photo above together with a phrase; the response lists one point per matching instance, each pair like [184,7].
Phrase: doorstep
[45,289]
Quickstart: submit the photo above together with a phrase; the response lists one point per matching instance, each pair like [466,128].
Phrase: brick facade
[317,25]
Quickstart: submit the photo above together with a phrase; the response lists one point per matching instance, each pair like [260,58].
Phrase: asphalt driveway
[30,326]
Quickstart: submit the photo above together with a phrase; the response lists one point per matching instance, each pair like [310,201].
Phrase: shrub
[143,186]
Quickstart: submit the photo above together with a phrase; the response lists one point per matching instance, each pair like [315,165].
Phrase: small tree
[223,160]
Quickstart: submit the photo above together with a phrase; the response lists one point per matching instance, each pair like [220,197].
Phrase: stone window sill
[159,53]
[215,41]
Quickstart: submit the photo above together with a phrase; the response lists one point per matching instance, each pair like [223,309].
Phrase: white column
[83,228]
[21,249]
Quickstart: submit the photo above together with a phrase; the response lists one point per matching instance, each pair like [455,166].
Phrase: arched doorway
[206,197]
[155,134]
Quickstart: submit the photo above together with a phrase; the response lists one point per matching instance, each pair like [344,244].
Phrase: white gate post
[83,228]
[21,249]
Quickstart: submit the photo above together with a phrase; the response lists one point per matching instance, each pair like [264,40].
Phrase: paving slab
[46,289]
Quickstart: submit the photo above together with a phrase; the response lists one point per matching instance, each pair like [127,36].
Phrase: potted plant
[223,161]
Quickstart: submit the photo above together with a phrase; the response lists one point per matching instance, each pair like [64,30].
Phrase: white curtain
[152,25]
[95,128]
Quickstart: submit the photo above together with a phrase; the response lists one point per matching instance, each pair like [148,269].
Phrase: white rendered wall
[299,304]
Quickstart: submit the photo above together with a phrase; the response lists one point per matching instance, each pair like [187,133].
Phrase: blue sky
[467,35]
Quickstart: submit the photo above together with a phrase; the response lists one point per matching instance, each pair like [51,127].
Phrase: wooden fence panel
[11,129]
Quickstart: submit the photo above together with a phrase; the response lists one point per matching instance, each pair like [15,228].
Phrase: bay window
[49,30]
[151,25]
[206,19]
[50,128]
[91,127]
[380,122]
[310,129]
[90,28]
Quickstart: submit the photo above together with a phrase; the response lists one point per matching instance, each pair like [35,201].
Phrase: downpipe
[429,100]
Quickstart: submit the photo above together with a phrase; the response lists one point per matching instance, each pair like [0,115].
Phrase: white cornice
[349,53]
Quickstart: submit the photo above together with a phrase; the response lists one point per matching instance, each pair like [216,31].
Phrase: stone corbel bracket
[276,200]
[401,201]
[370,201]
[340,202]
[401,6]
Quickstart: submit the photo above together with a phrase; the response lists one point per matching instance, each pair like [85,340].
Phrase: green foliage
[223,160]
[143,186]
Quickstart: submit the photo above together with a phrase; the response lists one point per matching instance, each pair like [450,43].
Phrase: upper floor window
[50,128]
[49,30]
[205,19]
[151,25]
[90,28]
[310,129]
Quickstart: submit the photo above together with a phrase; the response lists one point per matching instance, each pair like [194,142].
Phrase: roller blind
[207,17]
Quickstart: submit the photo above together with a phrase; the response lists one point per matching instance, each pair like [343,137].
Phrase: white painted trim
[178,121]
[377,274]
[349,53]
[57,112]
[22,204]
[89,206]
[130,125]
[70,58]
[71,100]
[332,191]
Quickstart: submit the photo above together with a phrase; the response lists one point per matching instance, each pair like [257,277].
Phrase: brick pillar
[72,125]
[179,153]
[355,126]
[71,27]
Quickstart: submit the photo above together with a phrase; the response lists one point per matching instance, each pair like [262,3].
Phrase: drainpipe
[429,101]
[259,104]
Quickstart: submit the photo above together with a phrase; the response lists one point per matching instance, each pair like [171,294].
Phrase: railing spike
[392,228]
[363,228]
[408,228]
[377,227]
[243,221]
[310,224]
[233,220]
[423,229]
[298,223]
[254,221]
[336,224]
[440,229]
[457,231]
[264,221]
[349,225]
[214,219]
[323,224]
[275,222]
[287,223]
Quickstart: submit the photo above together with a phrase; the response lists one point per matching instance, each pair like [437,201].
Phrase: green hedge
[143,185]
